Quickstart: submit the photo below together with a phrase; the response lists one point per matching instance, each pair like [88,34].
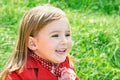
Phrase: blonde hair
[31,23]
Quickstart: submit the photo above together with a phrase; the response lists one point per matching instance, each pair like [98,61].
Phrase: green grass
[96,44]
[95,26]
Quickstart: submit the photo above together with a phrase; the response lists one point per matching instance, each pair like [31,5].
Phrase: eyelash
[56,35]
[67,35]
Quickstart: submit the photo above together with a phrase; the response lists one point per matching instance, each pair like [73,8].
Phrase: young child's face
[53,41]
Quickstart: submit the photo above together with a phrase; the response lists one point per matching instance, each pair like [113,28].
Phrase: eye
[67,34]
[56,35]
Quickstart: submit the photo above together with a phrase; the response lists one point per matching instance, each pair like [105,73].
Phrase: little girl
[42,47]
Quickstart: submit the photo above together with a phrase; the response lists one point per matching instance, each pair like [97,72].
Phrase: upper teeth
[61,50]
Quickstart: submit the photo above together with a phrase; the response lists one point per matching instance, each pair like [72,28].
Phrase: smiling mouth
[61,51]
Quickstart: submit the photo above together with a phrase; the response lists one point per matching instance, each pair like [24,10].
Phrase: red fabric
[53,68]
[34,71]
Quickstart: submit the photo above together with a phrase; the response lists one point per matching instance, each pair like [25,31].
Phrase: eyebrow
[58,31]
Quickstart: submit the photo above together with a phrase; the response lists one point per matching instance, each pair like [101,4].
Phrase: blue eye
[56,35]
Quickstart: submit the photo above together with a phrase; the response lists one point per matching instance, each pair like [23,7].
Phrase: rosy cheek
[70,42]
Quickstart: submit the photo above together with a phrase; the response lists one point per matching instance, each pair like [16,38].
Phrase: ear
[31,43]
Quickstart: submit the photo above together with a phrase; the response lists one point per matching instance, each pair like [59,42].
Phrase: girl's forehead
[61,24]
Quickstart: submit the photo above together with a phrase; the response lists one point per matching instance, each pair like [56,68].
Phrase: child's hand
[67,74]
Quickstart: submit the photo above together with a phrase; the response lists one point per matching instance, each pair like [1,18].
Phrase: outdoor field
[95,28]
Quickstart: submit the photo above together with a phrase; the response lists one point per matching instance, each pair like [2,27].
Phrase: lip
[61,51]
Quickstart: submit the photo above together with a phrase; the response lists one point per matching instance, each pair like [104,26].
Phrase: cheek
[70,43]
[43,44]
[51,44]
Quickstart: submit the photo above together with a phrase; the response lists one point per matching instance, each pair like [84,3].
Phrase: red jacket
[34,71]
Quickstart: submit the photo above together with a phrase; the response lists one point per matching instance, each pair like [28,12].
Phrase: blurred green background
[95,26]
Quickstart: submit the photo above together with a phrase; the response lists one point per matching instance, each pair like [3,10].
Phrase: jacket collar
[31,62]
